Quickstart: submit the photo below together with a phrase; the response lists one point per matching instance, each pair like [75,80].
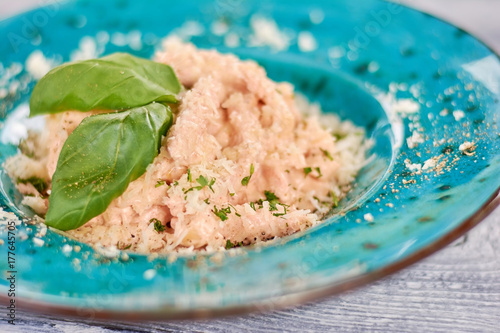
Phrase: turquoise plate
[426,92]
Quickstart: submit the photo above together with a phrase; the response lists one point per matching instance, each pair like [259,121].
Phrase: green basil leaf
[116,82]
[99,160]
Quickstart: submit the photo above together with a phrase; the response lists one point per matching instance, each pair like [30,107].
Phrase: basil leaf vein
[99,160]
[116,82]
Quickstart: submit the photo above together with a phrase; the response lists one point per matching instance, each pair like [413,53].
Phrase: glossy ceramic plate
[426,92]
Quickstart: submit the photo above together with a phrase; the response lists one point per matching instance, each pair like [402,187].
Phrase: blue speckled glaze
[364,47]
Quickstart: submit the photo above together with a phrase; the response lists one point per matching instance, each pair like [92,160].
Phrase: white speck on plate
[38,241]
[369,217]
[267,33]
[189,29]
[414,139]
[430,163]
[316,16]
[66,249]
[219,28]
[458,114]
[232,40]
[149,274]
[37,65]
[413,166]
[373,67]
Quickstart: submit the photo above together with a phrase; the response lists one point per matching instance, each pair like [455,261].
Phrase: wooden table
[454,290]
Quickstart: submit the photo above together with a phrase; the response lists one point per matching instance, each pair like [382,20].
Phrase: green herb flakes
[203,182]
[307,171]
[160,183]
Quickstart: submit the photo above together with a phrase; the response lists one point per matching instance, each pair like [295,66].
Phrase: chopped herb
[189,175]
[236,213]
[307,170]
[252,204]
[287,171]
[260,202]
[176,183]
[327,154]
[335,199]
[206,201]
[203,182]
[339,136]
[246,180]
[38,183]
[232,194]
[222,213]
[286,225]
[123,247]
[160,183]
[270,196]
[319,172]
[210,185]
[229,245]
[159,227]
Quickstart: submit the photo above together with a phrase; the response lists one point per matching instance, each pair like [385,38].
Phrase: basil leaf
[116,82]
[99,160]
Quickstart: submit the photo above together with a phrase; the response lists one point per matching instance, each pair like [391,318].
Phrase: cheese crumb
[414,140]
